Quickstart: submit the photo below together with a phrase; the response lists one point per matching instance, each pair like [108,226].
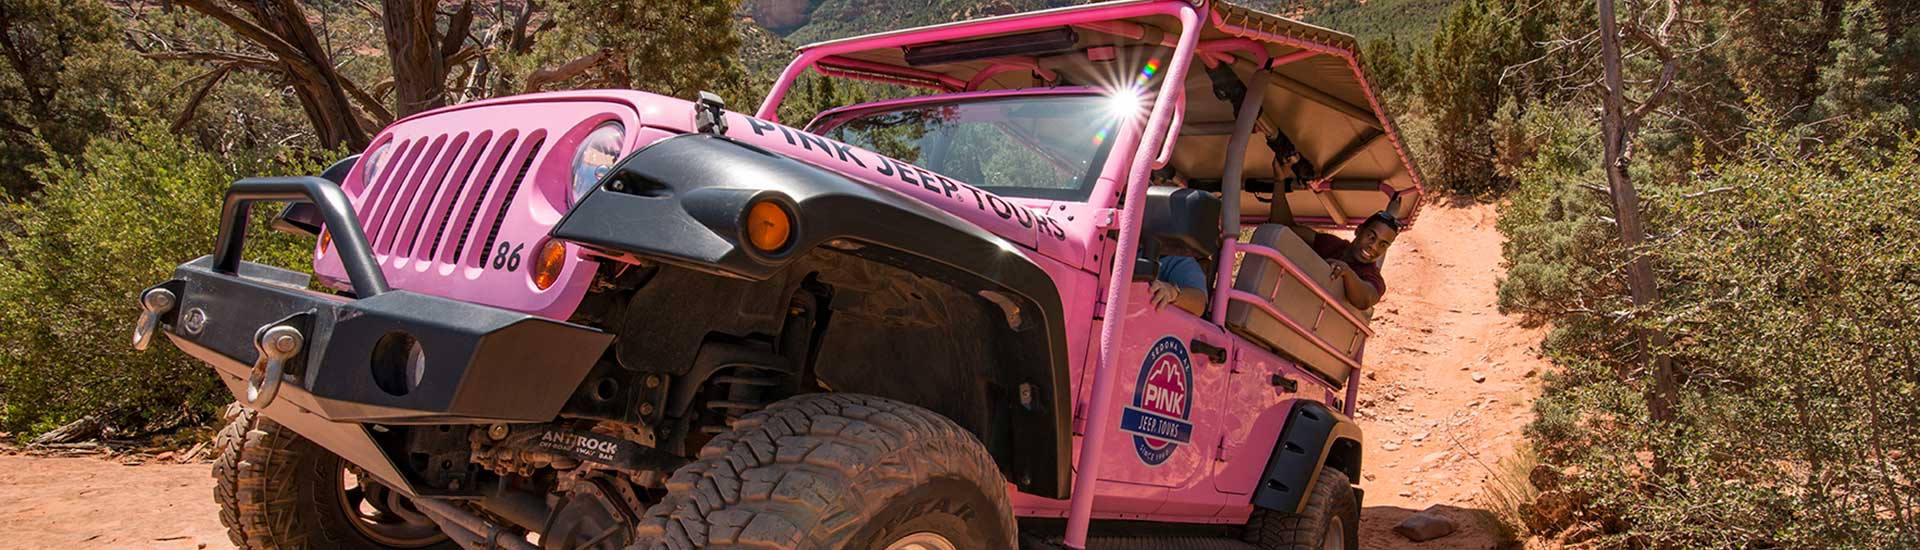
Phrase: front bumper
[482,364]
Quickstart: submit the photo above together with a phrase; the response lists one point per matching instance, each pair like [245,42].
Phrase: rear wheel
[279,491]
[832,472]
[1331,520]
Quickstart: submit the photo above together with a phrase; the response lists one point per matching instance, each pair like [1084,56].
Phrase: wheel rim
[1336,538]
[923,541]
[383,516]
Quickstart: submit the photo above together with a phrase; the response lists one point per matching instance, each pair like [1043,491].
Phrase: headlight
[596,156]
[370,165]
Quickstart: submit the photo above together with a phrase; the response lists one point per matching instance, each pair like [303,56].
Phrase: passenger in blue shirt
[1180,282]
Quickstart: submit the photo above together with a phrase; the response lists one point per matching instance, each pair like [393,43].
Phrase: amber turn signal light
[769,226]
[326,240]
[546,266]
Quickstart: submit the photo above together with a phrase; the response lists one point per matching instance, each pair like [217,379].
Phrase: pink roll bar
[1100,409]
[1014,63]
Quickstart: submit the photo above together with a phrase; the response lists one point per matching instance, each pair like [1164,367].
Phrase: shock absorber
[750,387]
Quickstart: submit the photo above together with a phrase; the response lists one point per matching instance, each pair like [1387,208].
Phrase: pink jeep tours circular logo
[1162,404]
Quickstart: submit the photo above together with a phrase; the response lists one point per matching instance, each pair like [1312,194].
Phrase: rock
[1422,436]
[1478,377]
[1406,408]
[1425,526]
[163,457]
[1389,446]
[1545,478]
[1405,494]
[1552,512]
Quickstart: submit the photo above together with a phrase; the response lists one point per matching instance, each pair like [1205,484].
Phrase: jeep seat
[1186,218]
[1261,276]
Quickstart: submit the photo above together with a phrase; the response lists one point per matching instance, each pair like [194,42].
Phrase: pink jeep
[611,319]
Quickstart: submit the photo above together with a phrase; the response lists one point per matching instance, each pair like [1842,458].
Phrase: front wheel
[836,472]
[279,491]
[1331,521]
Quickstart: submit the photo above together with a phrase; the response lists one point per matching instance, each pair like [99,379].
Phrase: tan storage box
[1263,277]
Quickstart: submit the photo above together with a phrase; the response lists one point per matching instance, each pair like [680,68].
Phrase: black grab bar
[355,254]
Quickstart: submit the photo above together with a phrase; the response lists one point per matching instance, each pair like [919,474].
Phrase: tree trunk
[280,27]
[420,53]
[1617,129]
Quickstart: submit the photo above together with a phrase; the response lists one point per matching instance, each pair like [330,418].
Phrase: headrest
[1186,217]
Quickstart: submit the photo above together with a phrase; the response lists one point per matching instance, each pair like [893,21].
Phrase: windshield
[1043,147]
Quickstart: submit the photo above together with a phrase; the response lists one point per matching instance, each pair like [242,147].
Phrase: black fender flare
[1315,437]
[682,201]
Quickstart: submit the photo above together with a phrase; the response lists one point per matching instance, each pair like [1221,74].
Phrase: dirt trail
[1433,433]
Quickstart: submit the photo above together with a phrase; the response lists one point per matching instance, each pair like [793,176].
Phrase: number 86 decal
[507,256]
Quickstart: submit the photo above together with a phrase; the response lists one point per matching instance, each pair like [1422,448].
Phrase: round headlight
[596,156]
[370,165]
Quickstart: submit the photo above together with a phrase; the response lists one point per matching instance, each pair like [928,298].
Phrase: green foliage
[1558,249]
[63,79]
[107,224]
[1461,83]
[1408,20]
[1390,70]
[670,48]
[1858,84]
[1789,291]
[831,19]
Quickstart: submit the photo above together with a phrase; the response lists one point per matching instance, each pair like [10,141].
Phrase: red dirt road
[1433,433]
[89,503]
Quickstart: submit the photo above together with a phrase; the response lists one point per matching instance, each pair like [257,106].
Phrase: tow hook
[153,304]
[277,345]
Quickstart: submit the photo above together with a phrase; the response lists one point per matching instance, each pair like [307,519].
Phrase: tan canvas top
[1318,97]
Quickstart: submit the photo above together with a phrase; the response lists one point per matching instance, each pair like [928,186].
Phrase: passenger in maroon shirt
[1356,264]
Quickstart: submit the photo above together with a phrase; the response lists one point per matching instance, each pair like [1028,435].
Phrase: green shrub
[1791,279]
[74,258]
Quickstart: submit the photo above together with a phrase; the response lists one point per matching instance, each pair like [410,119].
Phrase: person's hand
[1340,269]
[1163,293]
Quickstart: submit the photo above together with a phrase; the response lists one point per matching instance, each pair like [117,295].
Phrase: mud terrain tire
[277,491]
[1331,502]
[833,472]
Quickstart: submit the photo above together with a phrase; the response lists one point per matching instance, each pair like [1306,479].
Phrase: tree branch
[375,109]
[231,58]
[212,79]
[253,33]
[570,69]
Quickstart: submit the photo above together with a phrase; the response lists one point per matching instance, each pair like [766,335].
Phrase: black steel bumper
[482,364]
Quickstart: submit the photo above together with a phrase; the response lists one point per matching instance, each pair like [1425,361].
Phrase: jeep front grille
[428,202]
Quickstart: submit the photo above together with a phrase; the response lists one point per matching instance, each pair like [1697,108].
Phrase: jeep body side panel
[951,313]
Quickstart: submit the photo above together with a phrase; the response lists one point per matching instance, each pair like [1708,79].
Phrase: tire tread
[805,472]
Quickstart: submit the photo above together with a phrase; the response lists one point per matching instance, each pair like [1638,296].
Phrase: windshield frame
[1082,191]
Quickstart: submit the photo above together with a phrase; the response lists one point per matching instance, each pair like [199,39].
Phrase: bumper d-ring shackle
[153,304]
[277,344]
